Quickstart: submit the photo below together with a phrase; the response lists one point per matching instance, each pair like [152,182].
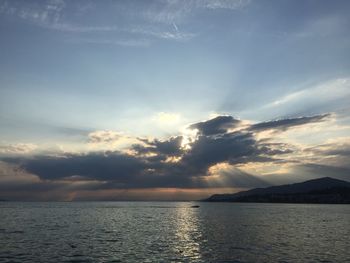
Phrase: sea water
[173,232]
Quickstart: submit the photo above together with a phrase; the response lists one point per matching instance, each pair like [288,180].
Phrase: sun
[188,137]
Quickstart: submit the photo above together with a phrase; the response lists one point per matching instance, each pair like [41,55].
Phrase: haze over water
[173,232]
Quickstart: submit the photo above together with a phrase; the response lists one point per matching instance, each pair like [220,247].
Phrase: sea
[173,232]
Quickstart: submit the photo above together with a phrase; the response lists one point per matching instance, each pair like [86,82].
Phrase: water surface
[173,232]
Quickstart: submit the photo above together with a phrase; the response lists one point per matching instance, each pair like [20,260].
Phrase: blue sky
[124,70]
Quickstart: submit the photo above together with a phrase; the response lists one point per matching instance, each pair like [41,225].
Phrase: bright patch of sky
[89,65]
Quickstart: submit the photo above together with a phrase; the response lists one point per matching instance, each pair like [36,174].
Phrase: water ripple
[173,232]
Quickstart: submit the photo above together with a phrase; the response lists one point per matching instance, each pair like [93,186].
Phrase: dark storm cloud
[210,150]
[115,170]
[217,125]
[271,149]
[234,148]
[285,124]
[121,170]
[164,163]
[170,147]
[144,171]
[29,186]
[102,166]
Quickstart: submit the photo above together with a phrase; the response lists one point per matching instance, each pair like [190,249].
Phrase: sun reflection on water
[188,234]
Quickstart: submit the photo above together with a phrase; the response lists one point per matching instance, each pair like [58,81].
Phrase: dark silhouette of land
[324,190]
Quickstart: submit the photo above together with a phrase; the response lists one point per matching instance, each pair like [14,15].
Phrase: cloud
[11,174]
[333,95]
[216,125]
[338,147]
[149,162]
[330,90]
[335,153]
[17,148]
[108,140]
[19,184]
[169,147]
[49,11]
[161,33]
[173,11]
[223,4]
[67,17]
[133,31]
[107,165]
[207,151]
[148,21]
[284,124]
[118,171]
[221,155]
[104,136]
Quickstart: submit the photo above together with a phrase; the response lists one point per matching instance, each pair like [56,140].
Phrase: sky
[171,99]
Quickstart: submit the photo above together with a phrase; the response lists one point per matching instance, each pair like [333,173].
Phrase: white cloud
[223,4]
[108,140]
[330,90]
[42,14]
[17,148]
[104,136]
[314,96]
[177,11]
[155,20]
[162,34]
[66,27]
[50,15]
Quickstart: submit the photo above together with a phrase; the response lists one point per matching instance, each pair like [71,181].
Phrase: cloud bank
[216,157]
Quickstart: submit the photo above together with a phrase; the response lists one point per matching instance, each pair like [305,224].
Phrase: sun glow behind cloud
[211,154]
[165,118]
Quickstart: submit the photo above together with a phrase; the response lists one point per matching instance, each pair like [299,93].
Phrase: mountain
[323,190]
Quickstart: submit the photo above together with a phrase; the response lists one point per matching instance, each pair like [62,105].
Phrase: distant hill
[323,190]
